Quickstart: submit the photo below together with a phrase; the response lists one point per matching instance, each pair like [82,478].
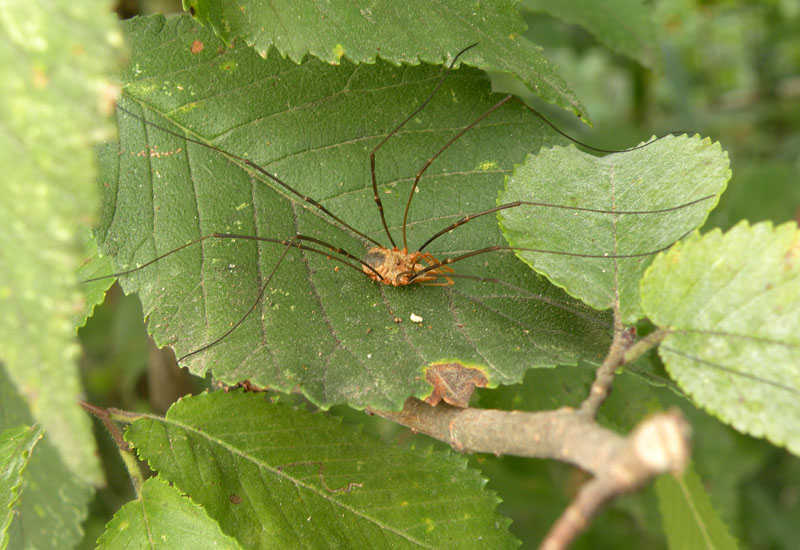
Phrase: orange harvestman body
[397,267]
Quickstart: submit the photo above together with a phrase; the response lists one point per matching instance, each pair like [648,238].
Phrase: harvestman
[392,265]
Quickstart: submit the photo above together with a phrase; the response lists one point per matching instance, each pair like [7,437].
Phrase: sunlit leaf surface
[732,302]
[163,519]
[659,177]
[274,475]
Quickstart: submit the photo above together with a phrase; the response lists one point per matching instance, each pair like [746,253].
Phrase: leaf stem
[644,345]
[107,417]
[601,387]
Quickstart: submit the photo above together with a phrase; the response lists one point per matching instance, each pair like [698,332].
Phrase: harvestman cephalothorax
[386,262]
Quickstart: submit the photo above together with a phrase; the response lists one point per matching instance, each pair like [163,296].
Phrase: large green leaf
[397,32]
[668,173]
[162,518]
[689,520]
[276,476]
[53,60]
[625,26]
[323,327]
[732,303]
[16,445]
[53,501]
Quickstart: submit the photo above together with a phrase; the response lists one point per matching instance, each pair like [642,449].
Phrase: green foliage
[689,520]
[162,518]
[625,26]
[236,470]
[333,334]
[96,266]
[52,82]
[52,503]
[661,176]
[16,445]
[361,34]
[732,304]
[270,474]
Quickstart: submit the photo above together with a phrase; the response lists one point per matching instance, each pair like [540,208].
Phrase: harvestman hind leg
[500,248]
[294,242]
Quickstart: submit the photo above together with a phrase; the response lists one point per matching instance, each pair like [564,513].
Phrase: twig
[601,387]
[658,445]
[565,434]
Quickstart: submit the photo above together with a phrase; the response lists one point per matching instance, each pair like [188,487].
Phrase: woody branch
[619,464]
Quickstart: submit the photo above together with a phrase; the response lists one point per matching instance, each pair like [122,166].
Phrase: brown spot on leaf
[197,46]
[246,385]
[454,383]
[235,499]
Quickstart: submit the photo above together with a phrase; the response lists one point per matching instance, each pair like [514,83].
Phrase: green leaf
[625,26]
[336,335]
[715,443]
[16,445]
[689,520]
[53,61]
[96,265]
[277,476]
[664,175]
[162,518]
[53,502]
[397,32]
[732,303]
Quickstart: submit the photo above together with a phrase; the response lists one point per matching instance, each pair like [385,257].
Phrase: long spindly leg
[516,204]
[253,165]
[474,123]
[443,271]
[244,317]
[592,147]
[421,106]
[427,164]
[331,252]
[233,236]
[500,248]
[519,291]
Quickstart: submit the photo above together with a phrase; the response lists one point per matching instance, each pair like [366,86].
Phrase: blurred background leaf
[53,500]
[55,98]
